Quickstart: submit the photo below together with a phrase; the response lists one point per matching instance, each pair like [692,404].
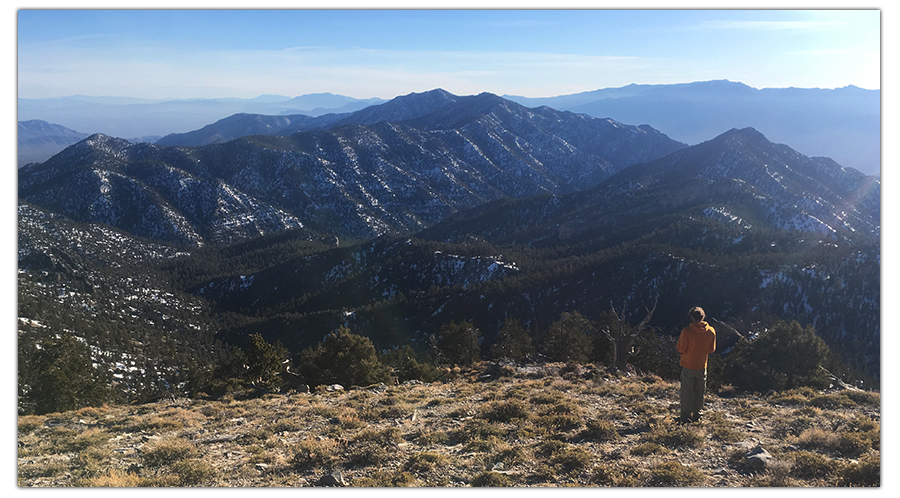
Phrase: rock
[335,478]
[758,458]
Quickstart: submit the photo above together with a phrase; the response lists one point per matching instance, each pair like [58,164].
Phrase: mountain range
[433,208]
[842,123]
[38,140]
[366,176]
[130,117]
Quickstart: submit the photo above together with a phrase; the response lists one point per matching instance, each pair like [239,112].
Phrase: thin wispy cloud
[775,25]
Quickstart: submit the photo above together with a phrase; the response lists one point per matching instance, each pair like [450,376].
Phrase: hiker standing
[695,343]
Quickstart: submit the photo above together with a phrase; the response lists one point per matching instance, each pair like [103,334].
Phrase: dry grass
[526,429]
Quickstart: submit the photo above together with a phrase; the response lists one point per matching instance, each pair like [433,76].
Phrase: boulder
[758,458]
[332,479]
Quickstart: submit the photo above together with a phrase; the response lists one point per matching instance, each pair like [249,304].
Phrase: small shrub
[818,438]
[571,460]
[49,469]
[368,453]
[93,459]
[646,449]
[192,471]
[505,411]
[113,479]
[492,480]
[864,424]
[807,465]
[673,473]
[852,444]
[385,479]
[479,429]
[797,396]
[287,426]
[514,455]
[551,447]
[156,423]
[388,436]
[28,423]
[62,440]
[867,472]
[435,437]
[779,473]
[313,453]
[832,401]
[169,451]
[600,430]
[349,421]
[162,481]
[604,475]
[425,461]
[866,398]
[482,445]
[676,437]
[558,414]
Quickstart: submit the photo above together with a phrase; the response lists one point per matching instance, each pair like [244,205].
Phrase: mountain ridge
[744,250]
[842,123]
[373,179]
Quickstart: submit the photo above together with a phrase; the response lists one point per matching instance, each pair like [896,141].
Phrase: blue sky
[384,53]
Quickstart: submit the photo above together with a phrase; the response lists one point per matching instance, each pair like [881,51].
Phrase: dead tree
[291,380]
[623,336]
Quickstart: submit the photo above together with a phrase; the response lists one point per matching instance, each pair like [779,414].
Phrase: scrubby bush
[783,357]
[169,451]
[312,453]
[567,339]
[505,411]
[456,344]
[808,465]
[571,459]
[600,430]
[426,461]
[513,342]
[673,473]
[193,471]
[492,480]
[343,358]
[407,365]
[867,472]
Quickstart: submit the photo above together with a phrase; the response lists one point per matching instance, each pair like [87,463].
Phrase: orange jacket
[695,343]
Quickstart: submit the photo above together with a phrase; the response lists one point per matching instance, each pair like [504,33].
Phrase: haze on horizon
[184,54]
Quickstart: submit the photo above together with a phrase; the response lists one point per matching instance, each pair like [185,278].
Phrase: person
[695,343]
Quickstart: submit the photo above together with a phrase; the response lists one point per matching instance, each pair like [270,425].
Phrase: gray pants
[693,387]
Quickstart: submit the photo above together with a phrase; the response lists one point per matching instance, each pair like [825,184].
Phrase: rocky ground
[538,425]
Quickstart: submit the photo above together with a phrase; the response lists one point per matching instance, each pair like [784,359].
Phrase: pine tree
[343,358]
[568,338]
[456,344]
[783,357]
[264,361]
[513,342]
[59,375]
